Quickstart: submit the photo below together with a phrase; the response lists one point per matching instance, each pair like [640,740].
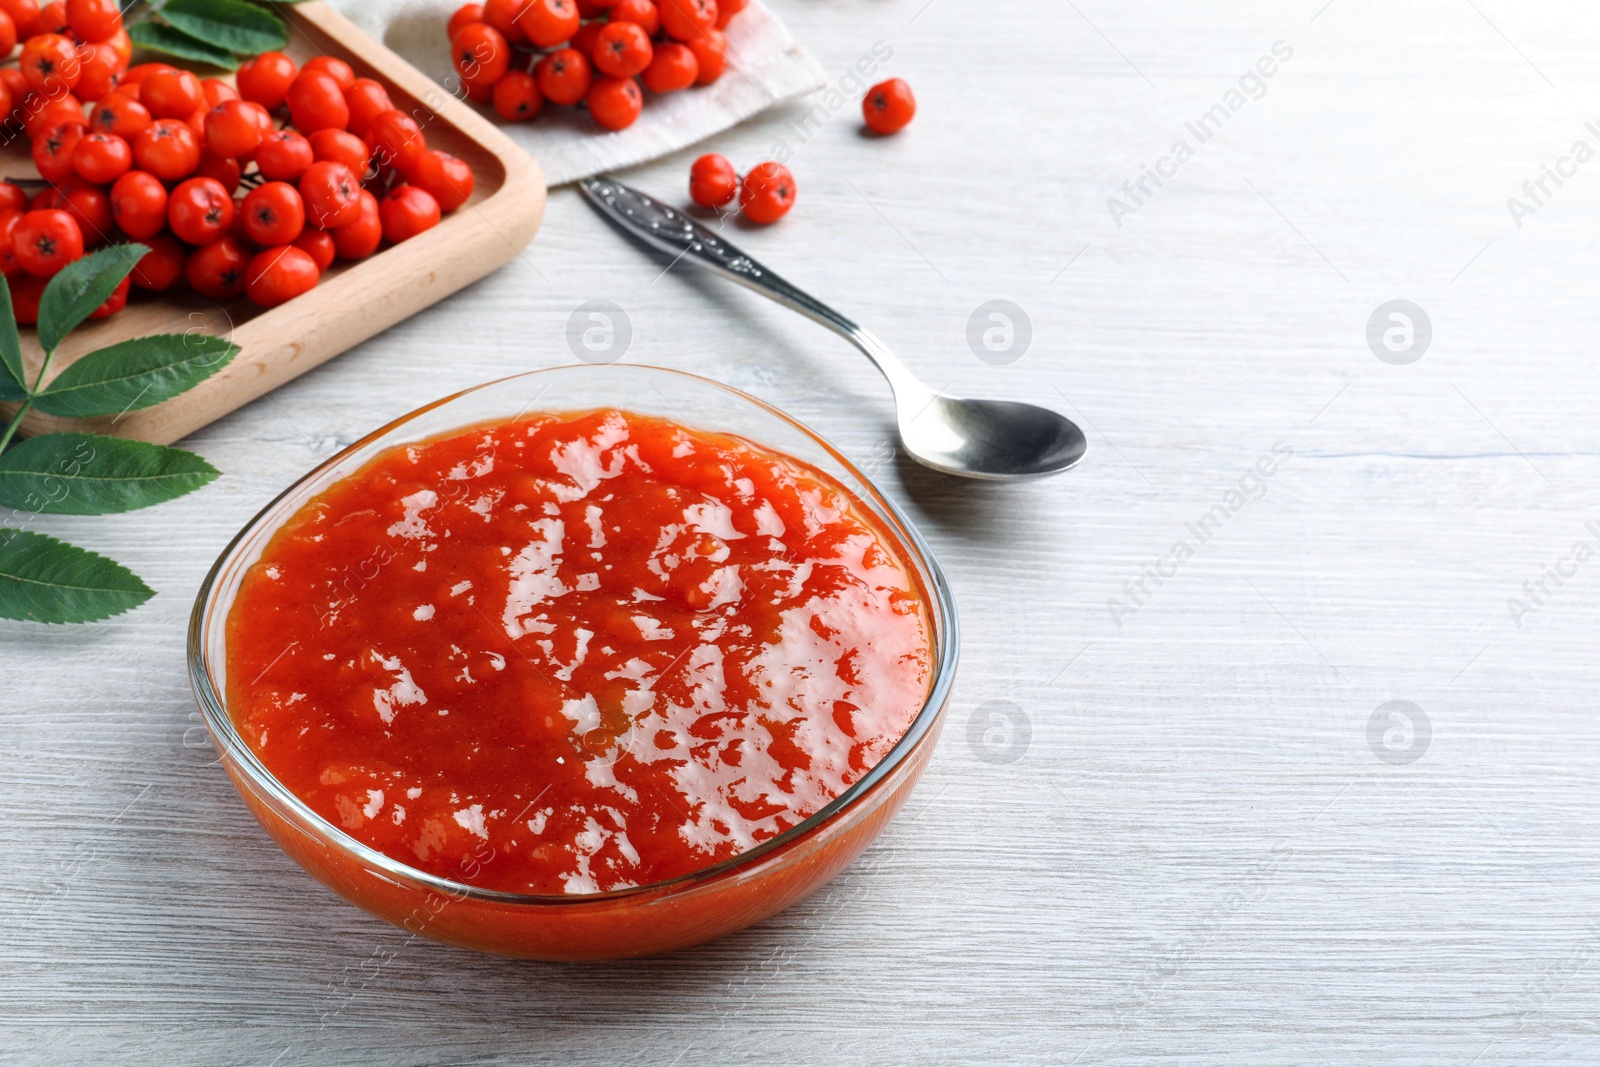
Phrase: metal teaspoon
[1000,440]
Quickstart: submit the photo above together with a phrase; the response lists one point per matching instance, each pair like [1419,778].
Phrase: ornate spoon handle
[671,231]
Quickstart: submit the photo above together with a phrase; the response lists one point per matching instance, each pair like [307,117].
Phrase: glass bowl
[639,921]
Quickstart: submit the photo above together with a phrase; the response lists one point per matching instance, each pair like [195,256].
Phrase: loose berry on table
[888,106]
[712,181]
[767,193]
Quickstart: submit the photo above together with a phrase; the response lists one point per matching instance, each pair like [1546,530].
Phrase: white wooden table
[1189,844]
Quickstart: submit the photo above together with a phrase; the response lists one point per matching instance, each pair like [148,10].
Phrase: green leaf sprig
[48,580]
[216,32]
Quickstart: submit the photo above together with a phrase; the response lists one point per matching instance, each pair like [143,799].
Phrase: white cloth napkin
[765,67]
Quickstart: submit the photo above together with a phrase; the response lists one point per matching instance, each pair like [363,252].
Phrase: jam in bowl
[551,670]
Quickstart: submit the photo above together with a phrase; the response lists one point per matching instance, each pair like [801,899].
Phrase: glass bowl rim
[945,646]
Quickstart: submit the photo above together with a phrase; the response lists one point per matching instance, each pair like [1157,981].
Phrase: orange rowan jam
[576,653]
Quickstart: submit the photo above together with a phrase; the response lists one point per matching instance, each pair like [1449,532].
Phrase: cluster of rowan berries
[323,165]
[518,55]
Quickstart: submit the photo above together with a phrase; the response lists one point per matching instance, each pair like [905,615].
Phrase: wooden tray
[354,300]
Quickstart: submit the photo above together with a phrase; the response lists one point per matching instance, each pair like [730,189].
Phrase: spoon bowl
[997,440]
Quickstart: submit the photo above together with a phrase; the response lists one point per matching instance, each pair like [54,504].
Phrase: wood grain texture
[353,301]
[1198,857]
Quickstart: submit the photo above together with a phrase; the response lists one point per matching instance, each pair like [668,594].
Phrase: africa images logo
[1537,592]
[1537,192]
[1249,486]
[1252,85]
